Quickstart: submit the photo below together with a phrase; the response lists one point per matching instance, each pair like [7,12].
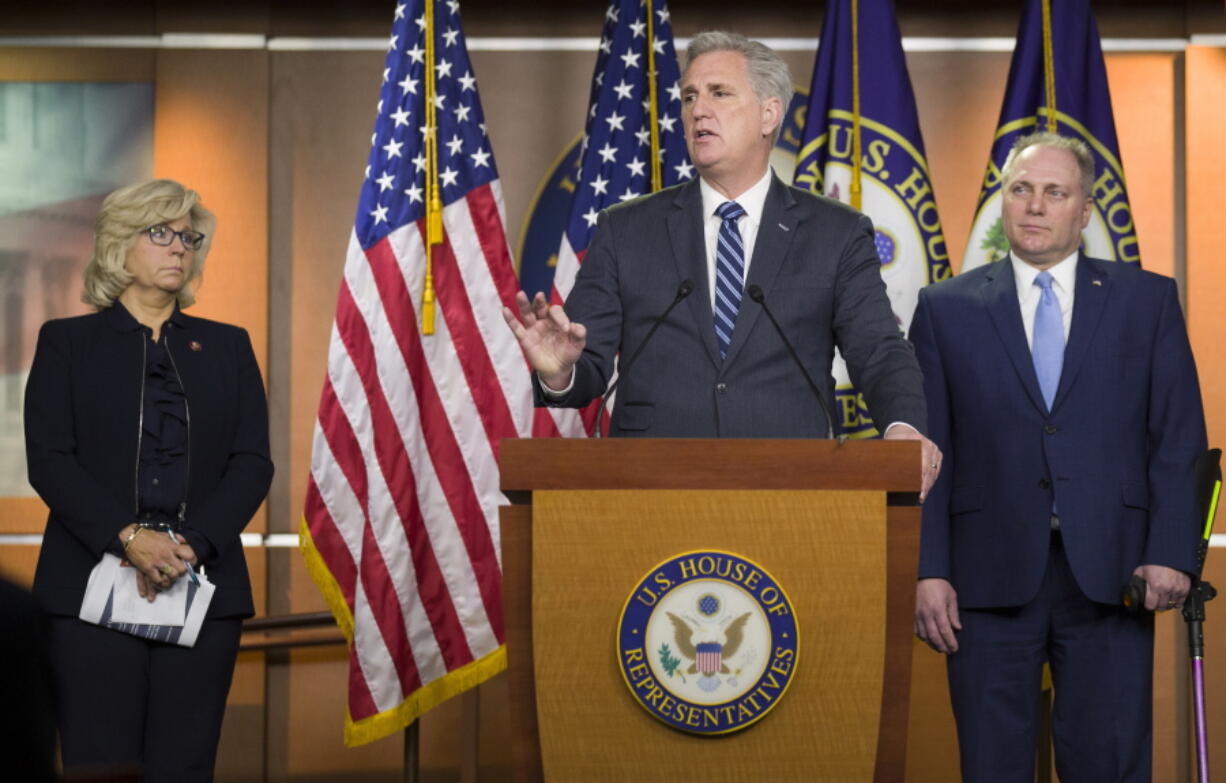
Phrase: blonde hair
[125,214]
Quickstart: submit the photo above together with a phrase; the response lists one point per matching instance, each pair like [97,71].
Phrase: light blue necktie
[729,273]
[1047,352]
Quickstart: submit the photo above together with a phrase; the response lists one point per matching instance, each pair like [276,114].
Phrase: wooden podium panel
[835,523]
[826,549]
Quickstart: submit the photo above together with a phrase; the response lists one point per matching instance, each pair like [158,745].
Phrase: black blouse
[162,483]
[162,471]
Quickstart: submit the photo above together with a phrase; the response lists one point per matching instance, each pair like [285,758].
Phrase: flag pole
[434,202]
[1049,68]
[657,178]
[412,752]
[856,154]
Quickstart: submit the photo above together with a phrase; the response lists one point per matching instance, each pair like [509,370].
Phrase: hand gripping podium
[836,527]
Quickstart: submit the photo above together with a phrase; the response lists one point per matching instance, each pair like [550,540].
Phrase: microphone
[755,293]
[683,290]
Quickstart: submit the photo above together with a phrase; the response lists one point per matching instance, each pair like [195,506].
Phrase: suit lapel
[1000,299]
[775,233]
[685,223]
[1089,301]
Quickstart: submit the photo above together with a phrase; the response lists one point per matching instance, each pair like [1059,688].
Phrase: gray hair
[1078,148]
[769,75]
[125,214]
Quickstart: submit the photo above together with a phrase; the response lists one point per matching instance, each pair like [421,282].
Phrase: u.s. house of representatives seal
[708,642]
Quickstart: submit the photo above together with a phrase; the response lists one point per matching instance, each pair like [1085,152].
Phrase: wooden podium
[836,525]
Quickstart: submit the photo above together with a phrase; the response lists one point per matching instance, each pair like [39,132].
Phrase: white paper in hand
[169,608]
[102,600]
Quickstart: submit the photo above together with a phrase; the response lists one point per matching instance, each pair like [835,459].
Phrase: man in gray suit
[717,367]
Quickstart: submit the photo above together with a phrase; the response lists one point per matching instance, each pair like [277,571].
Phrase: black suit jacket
[816,263]
[82,414]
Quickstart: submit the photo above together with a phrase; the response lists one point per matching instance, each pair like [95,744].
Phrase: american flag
[617,162]
[401,518]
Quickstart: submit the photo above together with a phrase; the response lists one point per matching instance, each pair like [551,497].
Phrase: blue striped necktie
[1047,350]
[729,273]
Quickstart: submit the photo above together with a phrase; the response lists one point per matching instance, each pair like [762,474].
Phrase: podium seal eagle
[708,642]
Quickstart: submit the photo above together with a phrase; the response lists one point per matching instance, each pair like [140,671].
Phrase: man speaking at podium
[1063,393]
[750,250]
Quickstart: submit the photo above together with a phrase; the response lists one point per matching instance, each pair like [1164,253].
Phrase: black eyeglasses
[165,235]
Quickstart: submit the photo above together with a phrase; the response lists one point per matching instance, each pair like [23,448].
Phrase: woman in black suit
[147,437]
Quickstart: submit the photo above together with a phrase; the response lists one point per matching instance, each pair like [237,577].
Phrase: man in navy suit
[1063,393]
[715,368]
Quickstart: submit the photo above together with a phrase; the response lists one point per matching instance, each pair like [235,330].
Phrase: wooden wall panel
[323,107]
[211,133]
[1143,94]
[1206,193]
[958,97]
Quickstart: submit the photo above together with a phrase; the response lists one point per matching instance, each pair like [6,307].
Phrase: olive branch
[669,662]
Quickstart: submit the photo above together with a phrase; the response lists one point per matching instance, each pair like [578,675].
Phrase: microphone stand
[755,293]
[683,290]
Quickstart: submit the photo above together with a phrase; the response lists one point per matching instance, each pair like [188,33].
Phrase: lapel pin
[785,228]
[1096,282]
[195,345]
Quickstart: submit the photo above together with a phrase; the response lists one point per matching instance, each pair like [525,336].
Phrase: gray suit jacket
[817,266]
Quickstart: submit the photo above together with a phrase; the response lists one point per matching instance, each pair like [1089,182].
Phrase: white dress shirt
[1064,285]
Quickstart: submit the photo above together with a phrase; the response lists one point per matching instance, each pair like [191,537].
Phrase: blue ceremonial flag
[633,142]
[862,145]
[1057,82]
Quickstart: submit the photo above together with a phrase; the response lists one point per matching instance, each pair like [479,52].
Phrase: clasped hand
[159,559]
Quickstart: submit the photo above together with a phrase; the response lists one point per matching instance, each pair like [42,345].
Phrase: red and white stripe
[402,503]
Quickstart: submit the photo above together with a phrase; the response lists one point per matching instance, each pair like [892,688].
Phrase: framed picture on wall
[63,147]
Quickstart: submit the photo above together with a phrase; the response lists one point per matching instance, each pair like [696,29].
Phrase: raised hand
[551,342]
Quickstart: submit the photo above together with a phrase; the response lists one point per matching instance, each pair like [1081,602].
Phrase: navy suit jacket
[1115,453]
[818,268]
[82,414]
